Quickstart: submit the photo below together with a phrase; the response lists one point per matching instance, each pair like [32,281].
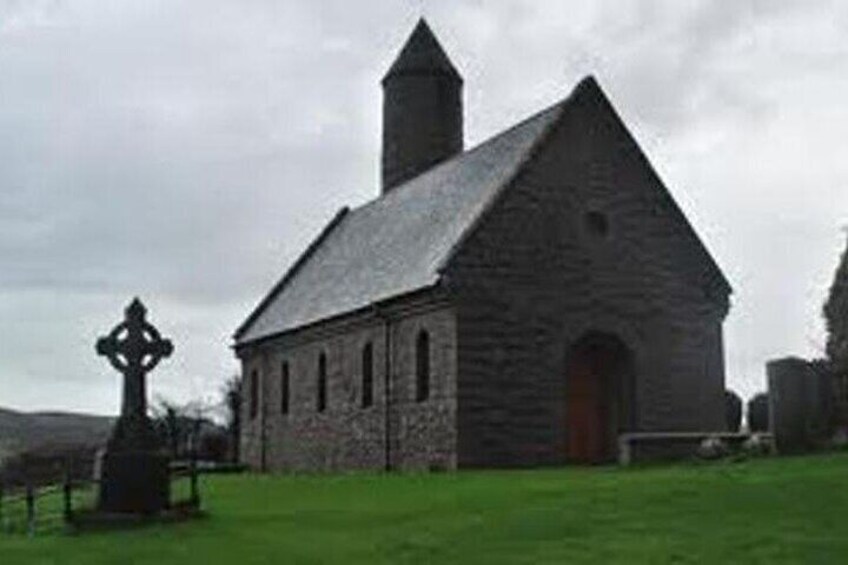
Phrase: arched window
[367,375]
[284,388]
[322,383]
[422,366]
[254,394]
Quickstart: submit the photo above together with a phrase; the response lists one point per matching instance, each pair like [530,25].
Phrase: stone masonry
[566,298]
[345,435]
[532,279]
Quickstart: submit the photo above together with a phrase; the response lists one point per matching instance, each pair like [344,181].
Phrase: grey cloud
[187,152]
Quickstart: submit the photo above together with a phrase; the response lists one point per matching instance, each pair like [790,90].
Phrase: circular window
[597,224]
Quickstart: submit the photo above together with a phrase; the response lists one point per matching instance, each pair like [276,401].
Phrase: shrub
[48,464]
[757,445]
[214,445]
[712,448]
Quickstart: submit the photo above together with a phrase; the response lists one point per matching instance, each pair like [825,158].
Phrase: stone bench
[638,447]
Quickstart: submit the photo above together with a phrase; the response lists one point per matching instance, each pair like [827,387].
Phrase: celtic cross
[134,348]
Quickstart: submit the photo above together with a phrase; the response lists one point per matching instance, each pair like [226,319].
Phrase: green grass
[768,511]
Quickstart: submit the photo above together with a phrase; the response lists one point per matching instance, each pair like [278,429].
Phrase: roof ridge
[290,272]
[528,154]
[664,190]
[450,198]
[467,153]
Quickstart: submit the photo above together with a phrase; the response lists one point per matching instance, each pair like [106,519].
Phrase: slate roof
[397,243]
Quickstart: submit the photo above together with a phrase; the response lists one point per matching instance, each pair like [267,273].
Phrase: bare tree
[173,426]
[232,392]
[836,317]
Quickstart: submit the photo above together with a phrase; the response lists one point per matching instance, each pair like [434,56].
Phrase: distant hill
[24,431]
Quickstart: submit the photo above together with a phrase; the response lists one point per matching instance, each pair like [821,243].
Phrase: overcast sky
[187,151]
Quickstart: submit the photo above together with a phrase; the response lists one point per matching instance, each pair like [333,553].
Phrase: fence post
[67,511]
[30,509]
[195,495]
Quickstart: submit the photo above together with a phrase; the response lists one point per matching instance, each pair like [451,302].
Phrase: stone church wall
[346,435]
[586,239]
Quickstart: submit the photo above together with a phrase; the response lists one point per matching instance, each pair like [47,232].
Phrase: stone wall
[586,239]
[346,435]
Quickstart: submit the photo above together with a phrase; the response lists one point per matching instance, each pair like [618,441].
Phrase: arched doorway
[599,397]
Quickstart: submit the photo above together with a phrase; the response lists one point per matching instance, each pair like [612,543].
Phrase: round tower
[422,109]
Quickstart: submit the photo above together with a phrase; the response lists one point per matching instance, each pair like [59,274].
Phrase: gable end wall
[531,279]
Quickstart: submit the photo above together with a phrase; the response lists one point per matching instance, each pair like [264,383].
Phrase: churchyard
[736,504]
[634,453]
[773,510]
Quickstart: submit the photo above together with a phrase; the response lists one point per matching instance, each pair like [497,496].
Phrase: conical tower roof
[422,54]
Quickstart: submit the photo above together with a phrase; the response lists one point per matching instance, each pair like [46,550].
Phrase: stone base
[643,447]
[94,520]
[134,482]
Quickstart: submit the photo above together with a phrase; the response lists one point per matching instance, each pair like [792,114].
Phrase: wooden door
[586,411]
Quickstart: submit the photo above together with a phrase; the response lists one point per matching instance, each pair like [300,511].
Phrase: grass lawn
[791,510]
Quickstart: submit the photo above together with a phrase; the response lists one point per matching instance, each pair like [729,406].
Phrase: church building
[520,303]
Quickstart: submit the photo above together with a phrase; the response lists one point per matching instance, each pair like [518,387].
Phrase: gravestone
[800,403]
[134,469]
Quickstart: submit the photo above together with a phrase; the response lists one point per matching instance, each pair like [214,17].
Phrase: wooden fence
[31,510]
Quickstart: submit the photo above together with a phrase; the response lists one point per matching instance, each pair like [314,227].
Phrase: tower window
[422,366]
[322,383]
[367,375]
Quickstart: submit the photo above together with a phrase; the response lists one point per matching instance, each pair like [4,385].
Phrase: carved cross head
[134,345]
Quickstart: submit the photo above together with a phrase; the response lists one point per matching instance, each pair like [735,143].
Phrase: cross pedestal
[134,482]
[134,470]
